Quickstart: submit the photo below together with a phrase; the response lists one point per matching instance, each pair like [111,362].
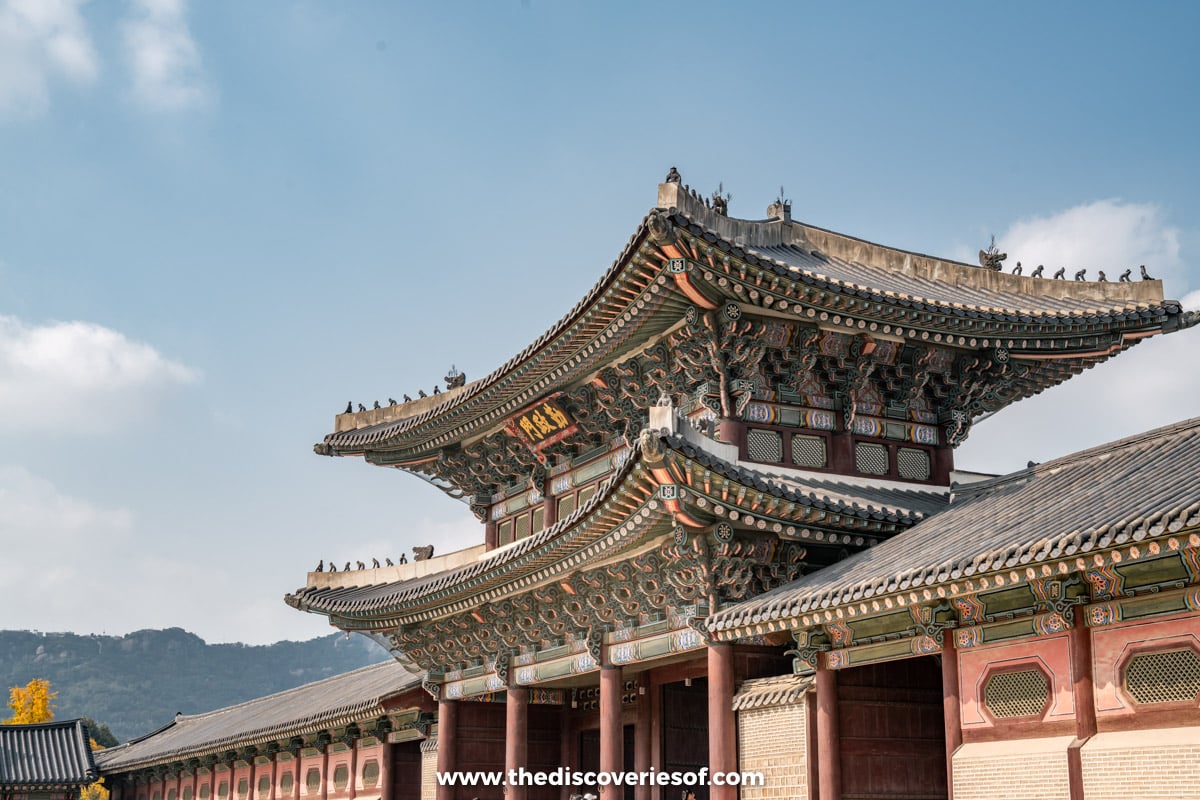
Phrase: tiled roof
[780,690]
[843,496]
[844,265]
[838,493]
[1145,485]
[45,756]
[327,703]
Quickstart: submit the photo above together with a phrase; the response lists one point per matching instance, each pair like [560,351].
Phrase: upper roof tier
[686,254]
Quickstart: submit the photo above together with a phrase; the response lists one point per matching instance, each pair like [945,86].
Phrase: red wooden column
[447,746]
[325,779]
[386,754]
[1083,694]
[722,730]
[516,739]
[829,761]
[642,752]
[951,706]
[612,735]
[296,776]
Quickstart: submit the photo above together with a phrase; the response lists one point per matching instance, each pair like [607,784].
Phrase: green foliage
[101,735]
[136,683]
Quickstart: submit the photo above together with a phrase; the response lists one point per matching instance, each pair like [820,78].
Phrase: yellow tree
[94,791]
[31,703]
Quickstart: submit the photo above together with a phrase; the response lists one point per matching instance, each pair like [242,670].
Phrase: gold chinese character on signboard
[556,416]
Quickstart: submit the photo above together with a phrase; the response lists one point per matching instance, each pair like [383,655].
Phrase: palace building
[721,527]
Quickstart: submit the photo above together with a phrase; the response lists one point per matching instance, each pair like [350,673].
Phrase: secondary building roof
[45,756]
[325,704]
[1120,493]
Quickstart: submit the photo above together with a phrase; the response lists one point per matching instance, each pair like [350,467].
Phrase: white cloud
[63,552]
[1151,385]
[1105,235]
[78,376]
[41,40]
[1147,387]
[50,542]
[163,57]
[39,517]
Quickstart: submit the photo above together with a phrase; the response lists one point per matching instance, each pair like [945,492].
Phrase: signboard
[542,424]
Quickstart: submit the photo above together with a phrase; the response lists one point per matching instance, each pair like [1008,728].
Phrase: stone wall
[1147,765]
[773,740]
[429,755]
[1021,769]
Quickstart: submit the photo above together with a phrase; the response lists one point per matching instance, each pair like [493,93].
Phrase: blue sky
[221,221]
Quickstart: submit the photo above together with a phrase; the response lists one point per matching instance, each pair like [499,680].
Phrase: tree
[102,737]
[94,791]
[31,703]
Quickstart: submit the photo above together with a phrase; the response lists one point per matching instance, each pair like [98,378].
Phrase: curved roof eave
[564,542]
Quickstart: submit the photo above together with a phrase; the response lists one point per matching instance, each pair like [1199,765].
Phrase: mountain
[136,683]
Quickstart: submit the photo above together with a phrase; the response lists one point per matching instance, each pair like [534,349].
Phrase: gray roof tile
[46,755]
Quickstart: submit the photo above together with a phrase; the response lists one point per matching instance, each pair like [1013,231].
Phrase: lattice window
[243,789]
[764,446]
[586,493]
[341,776]
[808,451]
[912,464]
[285,784]
[1168,676]
[264,786]
[566,506]
[871,459]
[505,533]
[312,780]
[1016,694]
[370,774]
[522,528]
[538,520]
